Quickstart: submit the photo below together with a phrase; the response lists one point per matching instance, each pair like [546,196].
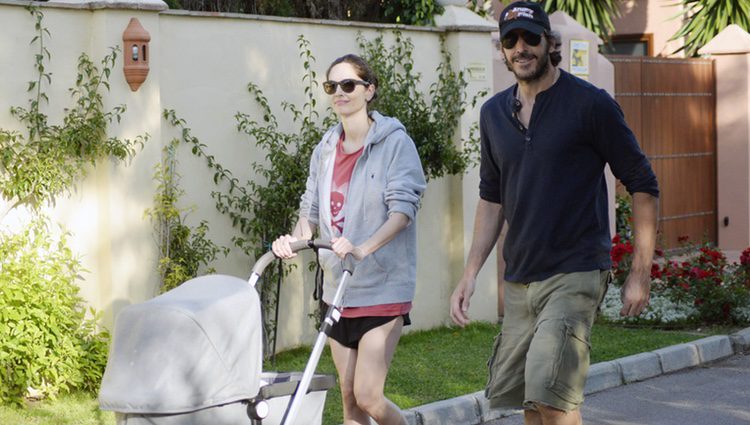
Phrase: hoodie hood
[381,128]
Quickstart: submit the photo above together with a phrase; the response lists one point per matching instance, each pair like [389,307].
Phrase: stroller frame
[177,359]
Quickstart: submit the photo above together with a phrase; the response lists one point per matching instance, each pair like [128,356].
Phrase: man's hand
[460,301]
[635,293]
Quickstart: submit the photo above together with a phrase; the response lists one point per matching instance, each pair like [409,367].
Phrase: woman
[362,194]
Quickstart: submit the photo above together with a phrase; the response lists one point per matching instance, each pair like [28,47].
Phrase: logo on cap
[519,12]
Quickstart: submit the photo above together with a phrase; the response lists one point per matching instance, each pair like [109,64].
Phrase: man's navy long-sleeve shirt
[550,178]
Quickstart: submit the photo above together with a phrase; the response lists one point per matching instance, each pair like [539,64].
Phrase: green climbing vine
[266,205]
[38,166]
[183,250]
[49,342]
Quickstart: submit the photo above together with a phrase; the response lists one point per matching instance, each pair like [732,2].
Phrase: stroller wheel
[258,409]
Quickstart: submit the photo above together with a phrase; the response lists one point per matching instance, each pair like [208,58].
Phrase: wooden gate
[670,104]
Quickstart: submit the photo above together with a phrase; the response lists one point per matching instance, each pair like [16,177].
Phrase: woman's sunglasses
[347,85]
[510,39]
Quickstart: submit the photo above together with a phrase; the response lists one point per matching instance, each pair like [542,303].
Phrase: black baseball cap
[524,15]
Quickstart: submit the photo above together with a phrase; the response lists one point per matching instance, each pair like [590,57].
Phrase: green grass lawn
[428,366]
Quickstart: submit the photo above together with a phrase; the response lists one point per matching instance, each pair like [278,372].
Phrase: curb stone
[459,410]
[486,413]
[603,376]
[678,357]
[639,367]
[741,341]
[714,348]
[473,409]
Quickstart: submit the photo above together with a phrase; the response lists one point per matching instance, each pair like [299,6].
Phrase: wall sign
[579,58]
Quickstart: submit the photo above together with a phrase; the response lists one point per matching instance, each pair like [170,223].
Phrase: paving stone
[462,410]
[714,348]
[678,357]
[639,367]
[602,376]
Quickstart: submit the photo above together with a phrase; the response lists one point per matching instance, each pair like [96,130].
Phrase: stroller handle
[268,257]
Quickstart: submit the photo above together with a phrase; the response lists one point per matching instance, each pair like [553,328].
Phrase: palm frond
[707,18]
[595,15]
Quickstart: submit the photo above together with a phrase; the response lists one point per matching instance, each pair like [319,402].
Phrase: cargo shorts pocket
[491,375]
[571,363]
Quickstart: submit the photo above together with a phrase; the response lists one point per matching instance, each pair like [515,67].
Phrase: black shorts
[349,330]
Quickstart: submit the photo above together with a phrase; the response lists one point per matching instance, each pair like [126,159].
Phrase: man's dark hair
[554,39]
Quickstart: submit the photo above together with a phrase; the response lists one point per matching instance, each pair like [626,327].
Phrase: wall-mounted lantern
[136,51]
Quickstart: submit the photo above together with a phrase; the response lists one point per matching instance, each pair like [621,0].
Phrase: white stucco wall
[200,65]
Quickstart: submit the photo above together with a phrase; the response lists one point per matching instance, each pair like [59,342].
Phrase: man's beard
[536,73]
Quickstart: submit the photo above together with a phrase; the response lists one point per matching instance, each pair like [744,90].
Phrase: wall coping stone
[162,8]
[732,40]
[148,5]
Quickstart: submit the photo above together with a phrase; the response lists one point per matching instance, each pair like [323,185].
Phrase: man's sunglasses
[347,85]
[510,39]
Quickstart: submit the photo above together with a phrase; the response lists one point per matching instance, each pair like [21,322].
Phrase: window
[631,45]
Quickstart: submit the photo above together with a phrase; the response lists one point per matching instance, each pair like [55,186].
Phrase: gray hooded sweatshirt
[387,178]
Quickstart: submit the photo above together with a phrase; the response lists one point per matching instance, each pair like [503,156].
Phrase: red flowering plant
[704,279]
[621,252]
[699,285]
[622,248]
[621,255]
[743,269]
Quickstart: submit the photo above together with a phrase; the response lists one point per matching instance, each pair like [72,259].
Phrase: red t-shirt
[342,174]
[343,167]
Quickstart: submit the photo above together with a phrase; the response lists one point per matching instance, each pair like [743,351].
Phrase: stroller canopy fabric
[196,346]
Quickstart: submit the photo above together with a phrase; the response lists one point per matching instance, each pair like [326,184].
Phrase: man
[545,143]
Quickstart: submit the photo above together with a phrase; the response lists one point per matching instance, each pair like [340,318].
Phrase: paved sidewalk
[719,354]
[715,394]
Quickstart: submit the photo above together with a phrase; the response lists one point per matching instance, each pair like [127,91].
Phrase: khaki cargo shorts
[542,353]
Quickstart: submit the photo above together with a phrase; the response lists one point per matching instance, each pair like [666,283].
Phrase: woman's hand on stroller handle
[286,246]
[343,247]
[282,248]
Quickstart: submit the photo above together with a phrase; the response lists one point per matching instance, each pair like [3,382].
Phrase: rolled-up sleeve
[489,172]
[617,143]
[406,183]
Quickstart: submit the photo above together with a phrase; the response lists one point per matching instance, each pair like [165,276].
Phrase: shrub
[47,343]
[183,250]
[431,118]
[706,281]
[699,287]
[409,12]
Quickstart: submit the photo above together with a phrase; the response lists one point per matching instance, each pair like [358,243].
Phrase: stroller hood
[196,346]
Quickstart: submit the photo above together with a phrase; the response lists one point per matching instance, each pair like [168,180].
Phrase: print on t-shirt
[337,207]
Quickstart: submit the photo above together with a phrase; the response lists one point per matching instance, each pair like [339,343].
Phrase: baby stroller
[193,356]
